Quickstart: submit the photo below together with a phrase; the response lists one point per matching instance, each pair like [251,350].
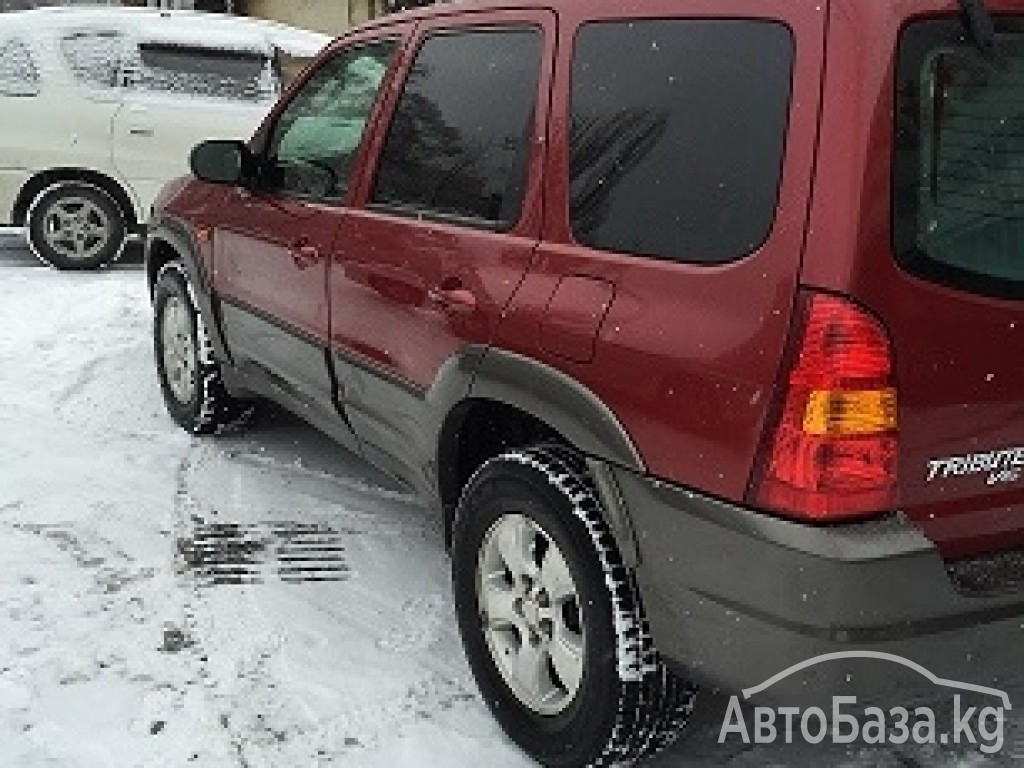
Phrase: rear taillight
[831,452]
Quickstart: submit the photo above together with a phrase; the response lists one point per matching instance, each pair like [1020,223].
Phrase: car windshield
[959,187]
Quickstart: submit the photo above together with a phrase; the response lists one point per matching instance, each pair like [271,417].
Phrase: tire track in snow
[263,725]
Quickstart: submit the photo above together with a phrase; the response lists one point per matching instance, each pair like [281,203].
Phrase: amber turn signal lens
[837,413]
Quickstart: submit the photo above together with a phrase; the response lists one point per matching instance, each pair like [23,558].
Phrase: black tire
[209,409]
[627,705]
[76,226]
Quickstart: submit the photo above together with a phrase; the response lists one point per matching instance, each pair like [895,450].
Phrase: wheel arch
[43,180]
[513,402]
[169,240]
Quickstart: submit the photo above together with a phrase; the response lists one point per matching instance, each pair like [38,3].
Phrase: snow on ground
[259,600]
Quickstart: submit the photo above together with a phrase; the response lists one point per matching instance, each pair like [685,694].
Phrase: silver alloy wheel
[179,349]
[530,614]
[76,228]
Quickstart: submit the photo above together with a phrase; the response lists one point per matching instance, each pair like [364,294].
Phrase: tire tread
[215,411]
[653,704]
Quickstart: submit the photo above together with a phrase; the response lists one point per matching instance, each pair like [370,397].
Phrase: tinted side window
[677,135]
[207,72]
[314,142]
[19,75]
[459,142]
[94,57]
[958,207]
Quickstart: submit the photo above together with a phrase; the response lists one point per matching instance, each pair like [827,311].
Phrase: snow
[174,27]
[123,641]
[18,73]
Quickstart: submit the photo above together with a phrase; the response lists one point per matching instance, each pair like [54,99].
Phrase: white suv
[99,107]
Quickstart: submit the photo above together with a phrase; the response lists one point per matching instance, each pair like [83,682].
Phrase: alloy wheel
[530,612]
[76,228]
[179,350]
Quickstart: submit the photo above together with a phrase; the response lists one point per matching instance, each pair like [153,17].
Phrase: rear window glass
[19,75]
[207,72]
[677,138]
[959,163]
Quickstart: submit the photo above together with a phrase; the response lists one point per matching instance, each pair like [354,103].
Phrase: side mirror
[221,162]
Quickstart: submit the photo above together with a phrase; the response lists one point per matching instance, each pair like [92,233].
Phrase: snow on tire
[190,377]
[536,511]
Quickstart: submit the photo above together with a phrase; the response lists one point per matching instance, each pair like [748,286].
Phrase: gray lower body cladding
[735,597]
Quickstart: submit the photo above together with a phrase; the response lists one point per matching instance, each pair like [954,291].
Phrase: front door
[448,225]
[273,242]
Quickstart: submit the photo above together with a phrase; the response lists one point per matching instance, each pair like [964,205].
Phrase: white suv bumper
[11,182]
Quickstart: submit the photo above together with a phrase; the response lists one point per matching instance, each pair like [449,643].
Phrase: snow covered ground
[259,600]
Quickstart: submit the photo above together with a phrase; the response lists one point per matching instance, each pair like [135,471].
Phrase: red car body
[680,371]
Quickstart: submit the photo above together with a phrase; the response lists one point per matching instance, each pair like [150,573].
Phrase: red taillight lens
[831,454]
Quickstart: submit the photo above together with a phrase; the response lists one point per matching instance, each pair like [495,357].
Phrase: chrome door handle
[455,301]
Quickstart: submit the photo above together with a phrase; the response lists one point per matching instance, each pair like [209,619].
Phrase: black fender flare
[178,236]
[559,401]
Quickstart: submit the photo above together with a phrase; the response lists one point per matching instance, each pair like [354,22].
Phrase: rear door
[450,219]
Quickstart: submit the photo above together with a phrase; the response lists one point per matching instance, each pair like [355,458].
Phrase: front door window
[314,144]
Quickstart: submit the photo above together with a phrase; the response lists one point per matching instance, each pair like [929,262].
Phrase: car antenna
[979,23]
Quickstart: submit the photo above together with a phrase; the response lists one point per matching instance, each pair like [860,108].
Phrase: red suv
[701,321]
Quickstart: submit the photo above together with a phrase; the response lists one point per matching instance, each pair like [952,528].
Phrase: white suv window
[19,75]
[188,70]
[94,57]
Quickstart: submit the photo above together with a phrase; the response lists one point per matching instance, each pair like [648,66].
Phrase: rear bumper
[735,597]
[11,183]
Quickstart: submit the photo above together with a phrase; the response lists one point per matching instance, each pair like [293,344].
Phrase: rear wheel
[190,376]
[551,620]
[75,225]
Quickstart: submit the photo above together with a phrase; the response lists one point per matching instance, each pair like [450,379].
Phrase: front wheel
[551,620]
[190,376]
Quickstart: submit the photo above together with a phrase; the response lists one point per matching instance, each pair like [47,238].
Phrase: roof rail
[979,23]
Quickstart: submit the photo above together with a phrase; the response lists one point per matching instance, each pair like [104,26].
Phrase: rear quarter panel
[687,354]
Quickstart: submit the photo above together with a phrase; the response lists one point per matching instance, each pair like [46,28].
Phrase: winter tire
[74,225]
[190,377]
[552,621]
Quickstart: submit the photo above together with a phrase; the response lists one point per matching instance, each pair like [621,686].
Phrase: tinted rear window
[678,129]
[959,166]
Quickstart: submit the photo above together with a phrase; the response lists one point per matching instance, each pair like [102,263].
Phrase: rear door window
[94,58]
[19,74]
[677,135]
[958,208]
[458,145]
